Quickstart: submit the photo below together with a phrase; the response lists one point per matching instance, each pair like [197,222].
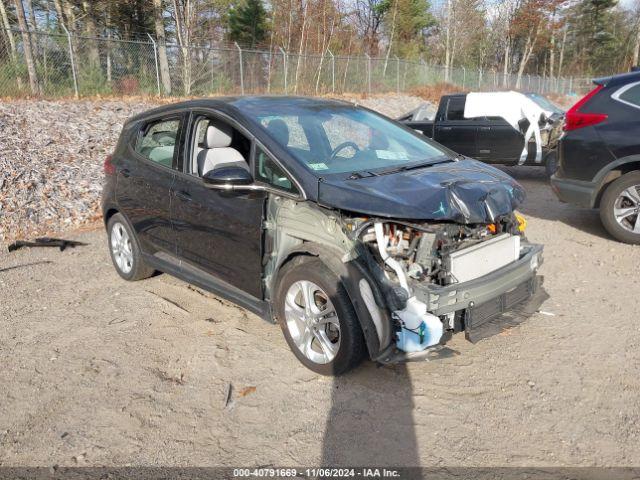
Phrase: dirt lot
[98,371]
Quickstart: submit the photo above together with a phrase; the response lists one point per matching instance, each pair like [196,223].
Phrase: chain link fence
[71,65]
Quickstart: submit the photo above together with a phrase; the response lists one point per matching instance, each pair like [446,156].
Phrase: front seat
[217,153]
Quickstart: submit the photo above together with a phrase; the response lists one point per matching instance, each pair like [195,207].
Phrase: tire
[551,164]
[127,256]
[349,347]
[614,198]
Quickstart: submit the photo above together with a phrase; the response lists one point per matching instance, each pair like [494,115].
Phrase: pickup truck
[490,138]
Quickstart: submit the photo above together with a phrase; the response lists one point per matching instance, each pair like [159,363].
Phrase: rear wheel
[620,208]
[125,250]
[317,318]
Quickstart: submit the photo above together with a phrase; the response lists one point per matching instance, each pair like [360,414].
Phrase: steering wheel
[341,147]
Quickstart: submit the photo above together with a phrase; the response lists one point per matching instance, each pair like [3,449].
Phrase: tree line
[550,38]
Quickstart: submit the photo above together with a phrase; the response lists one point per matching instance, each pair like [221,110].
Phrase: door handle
[182,195]
[125,172]
[485,128]
[446,128]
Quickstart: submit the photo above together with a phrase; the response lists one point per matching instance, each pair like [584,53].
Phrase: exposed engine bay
[435,254]
[424,251]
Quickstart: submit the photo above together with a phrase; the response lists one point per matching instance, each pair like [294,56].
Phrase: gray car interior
[216,151]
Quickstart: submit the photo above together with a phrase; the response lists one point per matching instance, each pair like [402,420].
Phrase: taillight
[109,167]
[576,119]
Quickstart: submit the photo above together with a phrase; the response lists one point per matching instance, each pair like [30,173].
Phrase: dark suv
[599,155]
[357,234]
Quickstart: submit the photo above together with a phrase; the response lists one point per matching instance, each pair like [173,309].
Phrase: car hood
[464,191]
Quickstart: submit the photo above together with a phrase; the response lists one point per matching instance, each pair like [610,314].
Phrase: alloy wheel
[627,209]
[121,248]
[312,321]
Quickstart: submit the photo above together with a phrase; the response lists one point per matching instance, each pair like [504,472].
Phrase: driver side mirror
[227,177]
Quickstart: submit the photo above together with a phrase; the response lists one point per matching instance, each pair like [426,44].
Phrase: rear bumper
[575,192]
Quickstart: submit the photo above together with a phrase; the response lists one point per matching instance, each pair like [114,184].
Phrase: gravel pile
[52,152]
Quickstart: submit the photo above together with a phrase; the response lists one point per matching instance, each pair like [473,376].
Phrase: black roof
[621,79]
[239,103]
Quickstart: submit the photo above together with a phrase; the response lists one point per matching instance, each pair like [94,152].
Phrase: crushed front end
[439,251]
[445,278]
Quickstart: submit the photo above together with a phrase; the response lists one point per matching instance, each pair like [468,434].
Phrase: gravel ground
[98,371]
[52,152]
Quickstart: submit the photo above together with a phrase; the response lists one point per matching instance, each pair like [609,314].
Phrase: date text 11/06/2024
[317,472]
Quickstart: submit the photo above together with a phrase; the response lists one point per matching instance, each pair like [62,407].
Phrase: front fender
[378,332]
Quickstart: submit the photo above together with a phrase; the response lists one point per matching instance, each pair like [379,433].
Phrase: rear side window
[157,141]
[632,95]
[455,108]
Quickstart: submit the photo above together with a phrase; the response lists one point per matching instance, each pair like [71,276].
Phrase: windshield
[331,138]
[544,103]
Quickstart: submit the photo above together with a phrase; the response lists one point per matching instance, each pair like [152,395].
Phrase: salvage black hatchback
[599,155]
[358,235]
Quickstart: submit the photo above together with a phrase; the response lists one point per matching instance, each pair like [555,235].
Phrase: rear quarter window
[631,95]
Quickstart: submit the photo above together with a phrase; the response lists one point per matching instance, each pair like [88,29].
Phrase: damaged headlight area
[435,274]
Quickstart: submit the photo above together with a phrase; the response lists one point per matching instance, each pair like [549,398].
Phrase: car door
[453,130]
[146,172]
[498,141]
[217,231]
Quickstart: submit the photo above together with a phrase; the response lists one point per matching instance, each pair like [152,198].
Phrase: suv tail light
[576,119]
[109,167]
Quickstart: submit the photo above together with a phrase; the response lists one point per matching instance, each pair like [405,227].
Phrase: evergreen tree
[406,22]
[595,31]
[247,23]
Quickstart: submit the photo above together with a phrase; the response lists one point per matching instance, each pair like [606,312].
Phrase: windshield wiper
[358,175]
[406,168]
[403,168]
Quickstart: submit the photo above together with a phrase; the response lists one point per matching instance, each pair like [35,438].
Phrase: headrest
[279,129]
[218,136]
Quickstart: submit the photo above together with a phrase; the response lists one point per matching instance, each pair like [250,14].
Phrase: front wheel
[620,208]
[317,318]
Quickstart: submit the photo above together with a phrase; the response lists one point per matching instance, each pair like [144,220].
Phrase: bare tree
[562,48]
[529,45]
[28,51]
[162,46]
[91,31]
[59,13]
[391,37]
[368,19]
[552,43]
[636,47]
[301,46]
[182,10]
[7,30]
[32,16]
[447,56]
